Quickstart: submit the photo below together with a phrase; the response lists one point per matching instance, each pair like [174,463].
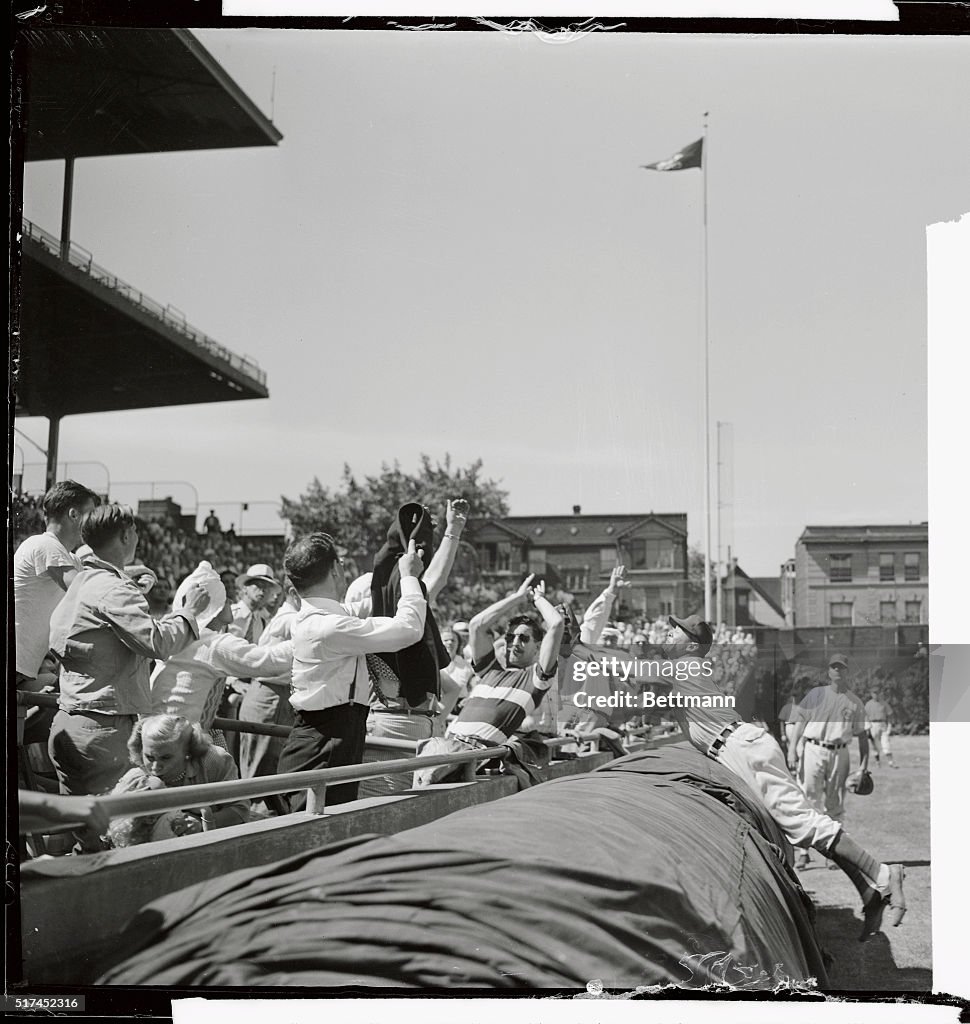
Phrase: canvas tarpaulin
[639,875]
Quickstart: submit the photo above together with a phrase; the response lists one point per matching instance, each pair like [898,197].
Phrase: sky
[454,250]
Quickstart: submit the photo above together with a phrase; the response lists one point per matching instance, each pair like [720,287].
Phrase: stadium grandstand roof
[95,344]
[108,91]
[89,342]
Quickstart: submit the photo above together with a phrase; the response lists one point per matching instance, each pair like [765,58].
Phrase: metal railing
[81,259]
[314,782]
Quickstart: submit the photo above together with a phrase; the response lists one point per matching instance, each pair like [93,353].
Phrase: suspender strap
[353,684]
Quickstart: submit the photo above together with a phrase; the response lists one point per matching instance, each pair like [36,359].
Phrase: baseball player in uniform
[752,753]
[827,718]
[879,724]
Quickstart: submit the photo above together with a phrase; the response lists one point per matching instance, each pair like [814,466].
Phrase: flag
[689,156]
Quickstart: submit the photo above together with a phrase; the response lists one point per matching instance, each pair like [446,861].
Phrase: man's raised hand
[525,587]
[410,564]
[456,515]
[618,579]
[196,599]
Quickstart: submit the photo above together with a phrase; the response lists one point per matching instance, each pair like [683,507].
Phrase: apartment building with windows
[578,552]
[862,576]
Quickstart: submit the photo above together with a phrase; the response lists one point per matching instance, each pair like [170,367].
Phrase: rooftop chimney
[577,509]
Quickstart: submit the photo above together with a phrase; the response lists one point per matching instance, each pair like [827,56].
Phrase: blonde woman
[167,752]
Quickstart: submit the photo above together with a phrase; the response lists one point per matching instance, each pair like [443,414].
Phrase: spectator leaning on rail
[499,705]
[104,636]
[752,753]
[167,752]
[330,645]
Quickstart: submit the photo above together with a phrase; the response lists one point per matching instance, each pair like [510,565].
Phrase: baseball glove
[860,782]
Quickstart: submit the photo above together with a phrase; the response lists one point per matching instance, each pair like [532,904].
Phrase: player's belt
[722,736]
[876,721]
[828,746]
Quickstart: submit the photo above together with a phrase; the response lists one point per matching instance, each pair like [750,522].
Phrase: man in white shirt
[43,567]
[330,681]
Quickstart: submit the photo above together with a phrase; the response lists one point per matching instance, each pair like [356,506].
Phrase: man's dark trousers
[325,739]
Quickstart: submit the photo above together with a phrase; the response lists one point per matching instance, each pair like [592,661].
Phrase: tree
[358,512]
[695,581]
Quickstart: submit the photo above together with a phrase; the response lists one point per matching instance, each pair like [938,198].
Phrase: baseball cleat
[872,907]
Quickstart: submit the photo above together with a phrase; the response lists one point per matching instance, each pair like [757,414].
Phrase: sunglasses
[510,638]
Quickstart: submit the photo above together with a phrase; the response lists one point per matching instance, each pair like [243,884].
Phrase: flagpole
[707,400]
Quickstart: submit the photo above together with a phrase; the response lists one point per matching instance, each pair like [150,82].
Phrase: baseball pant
[753,753]
[325,739]
[825,774]
[879,731]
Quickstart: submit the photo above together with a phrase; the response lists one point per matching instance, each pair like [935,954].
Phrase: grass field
[894,825]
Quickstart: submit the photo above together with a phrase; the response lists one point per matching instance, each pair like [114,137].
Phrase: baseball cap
[839,659]
[459,627]
[695,627]
[259,571]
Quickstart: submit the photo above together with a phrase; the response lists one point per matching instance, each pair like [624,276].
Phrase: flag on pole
[689,156]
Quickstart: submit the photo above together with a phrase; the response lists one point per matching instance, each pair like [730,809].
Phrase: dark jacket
[416,666]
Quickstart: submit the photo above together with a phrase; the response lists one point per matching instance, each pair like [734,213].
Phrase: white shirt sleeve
[596,617]
[346,634]
[234,656]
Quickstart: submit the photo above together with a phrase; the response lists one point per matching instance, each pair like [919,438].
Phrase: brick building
[861,575]
[577,553]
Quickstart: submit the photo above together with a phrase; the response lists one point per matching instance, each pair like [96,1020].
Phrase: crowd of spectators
[218,604]
[164,545]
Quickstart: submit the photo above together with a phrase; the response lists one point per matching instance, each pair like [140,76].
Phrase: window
[840,568]
[911,566]
[655,553]
[914,611]
[487,555]
[840,613]
[660,554]
[537,560]
[496,557]
[887,611]
[607,558]
[887,567]
[576,579]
